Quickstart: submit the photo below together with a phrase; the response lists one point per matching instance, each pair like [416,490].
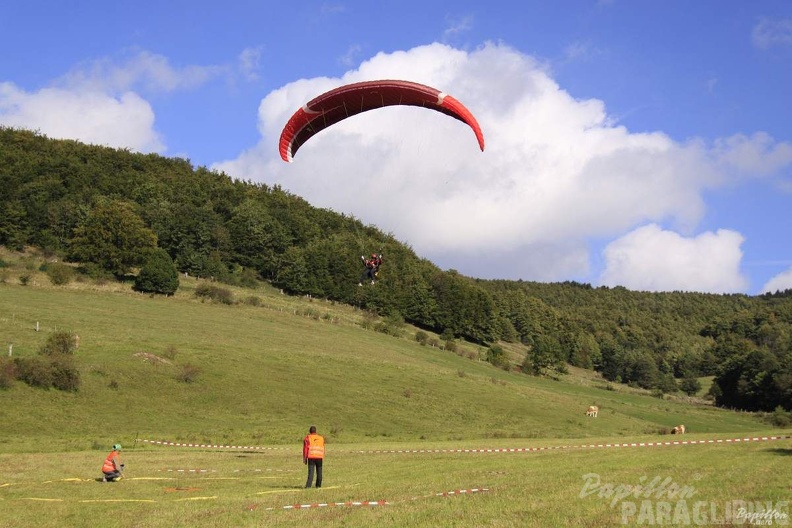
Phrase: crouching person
[112,467]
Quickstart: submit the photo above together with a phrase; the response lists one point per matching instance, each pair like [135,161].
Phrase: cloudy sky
[634,143]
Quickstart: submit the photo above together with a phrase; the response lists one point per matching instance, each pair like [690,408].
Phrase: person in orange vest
[313,455]
[112,467]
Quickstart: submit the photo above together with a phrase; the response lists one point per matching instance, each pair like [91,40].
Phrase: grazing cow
[592,411]
[679,429]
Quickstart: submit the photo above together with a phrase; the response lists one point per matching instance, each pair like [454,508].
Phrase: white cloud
[769,32]
[556,173]
[98,101]
[351,55]
[580,51]
[652,259]
[141,70]
[249,63]
[457,25]
[125,120]
[781,282]
[758,155]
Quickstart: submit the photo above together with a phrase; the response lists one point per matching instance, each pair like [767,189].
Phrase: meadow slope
[417,436]
[261,370]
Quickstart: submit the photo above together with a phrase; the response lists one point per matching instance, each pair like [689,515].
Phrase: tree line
[115,212]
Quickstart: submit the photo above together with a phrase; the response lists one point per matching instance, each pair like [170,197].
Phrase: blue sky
[635,143]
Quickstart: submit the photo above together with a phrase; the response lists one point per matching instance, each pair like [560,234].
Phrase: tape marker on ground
[117,500]
[582,446]
[212,446]
[73,479]
[256,470]
[370,503]
[189,470]
[330,504]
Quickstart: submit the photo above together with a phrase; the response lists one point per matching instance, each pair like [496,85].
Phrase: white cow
[679,429]
[592,411]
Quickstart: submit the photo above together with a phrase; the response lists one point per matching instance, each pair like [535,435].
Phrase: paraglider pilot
[372,268]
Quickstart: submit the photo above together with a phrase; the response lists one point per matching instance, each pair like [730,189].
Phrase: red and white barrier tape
[370,503]
[582,446]
[330,504]
[213,446]
[460,492]
[492,450]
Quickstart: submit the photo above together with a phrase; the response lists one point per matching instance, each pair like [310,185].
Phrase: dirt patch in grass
[152,358]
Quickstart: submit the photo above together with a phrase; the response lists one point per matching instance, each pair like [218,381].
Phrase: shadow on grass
[781,451]
[273,490]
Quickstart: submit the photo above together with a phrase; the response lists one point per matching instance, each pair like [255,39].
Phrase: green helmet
[116,447]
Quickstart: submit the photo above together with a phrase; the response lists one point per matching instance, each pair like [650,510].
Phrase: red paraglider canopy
[351,99]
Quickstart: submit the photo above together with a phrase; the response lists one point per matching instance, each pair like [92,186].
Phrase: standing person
[313,455]
[112,467]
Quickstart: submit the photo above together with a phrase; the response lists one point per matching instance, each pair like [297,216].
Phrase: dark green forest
[117,213]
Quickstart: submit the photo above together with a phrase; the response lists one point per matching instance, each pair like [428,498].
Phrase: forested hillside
[112,210]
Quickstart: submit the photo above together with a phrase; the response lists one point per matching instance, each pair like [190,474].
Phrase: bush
[7,373]
[422,337]
[252,300]
[61,342]
[447,335]
[780,417]
[59,372]
[98,274]
[497,357]
[64,373]
[59,274]
[170,352]
[392,325]
[369,320]
[215,293]
[35,371]
[158,274]
[189,373]
[248,278]
[690,386]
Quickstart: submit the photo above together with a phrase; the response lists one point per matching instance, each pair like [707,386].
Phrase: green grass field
[261,371]
[574,487]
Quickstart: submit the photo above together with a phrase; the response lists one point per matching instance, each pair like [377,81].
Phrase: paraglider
[372,268]
[352,99]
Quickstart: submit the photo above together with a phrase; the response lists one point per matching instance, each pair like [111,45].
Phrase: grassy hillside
[261,370]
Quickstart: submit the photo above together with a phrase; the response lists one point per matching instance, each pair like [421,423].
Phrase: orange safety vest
[108,465]
[315,444]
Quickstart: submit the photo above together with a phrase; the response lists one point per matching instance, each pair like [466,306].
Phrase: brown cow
[679,429]
[592,411]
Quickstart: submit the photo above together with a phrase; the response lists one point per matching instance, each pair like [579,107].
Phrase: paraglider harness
[372,266]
